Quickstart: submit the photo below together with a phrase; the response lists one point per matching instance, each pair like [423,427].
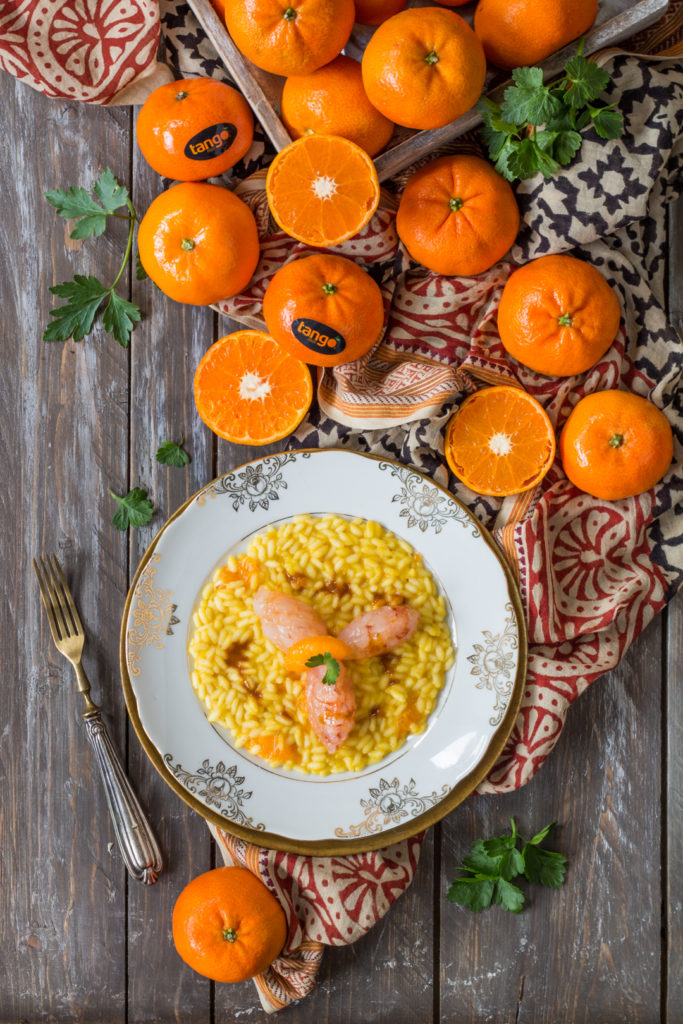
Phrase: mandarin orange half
[322,189]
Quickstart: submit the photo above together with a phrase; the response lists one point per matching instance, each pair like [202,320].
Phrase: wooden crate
[616,21]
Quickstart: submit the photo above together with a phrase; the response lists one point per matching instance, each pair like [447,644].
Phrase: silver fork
[136,841]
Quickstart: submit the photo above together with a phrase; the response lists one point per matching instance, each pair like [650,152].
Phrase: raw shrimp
[379,631]
[284,619]
[331,706]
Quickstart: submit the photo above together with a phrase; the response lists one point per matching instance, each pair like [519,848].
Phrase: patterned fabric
[96,51]
[329,901]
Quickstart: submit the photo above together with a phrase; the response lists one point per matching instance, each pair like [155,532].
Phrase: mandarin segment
[424,68]
[299,653]
[292,38]
[322,189]
[249,391]
[500,441]
[616,444]
[558,315]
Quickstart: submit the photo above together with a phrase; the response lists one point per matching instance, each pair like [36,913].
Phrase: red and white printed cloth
[591,574]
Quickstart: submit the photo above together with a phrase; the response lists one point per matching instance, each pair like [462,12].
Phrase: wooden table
[79,941]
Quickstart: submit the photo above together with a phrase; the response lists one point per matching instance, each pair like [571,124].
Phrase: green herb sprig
[331,664]
[491,865]
[171,454]
[538,127]
[134,509]
[85,295]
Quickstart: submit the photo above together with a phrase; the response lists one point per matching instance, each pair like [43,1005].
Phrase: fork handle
[138,846]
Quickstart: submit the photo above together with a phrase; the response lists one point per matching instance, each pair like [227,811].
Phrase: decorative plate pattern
[289,810]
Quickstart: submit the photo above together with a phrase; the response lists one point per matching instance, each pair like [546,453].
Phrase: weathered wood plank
[589,951]
[64,414]
[673,796]
[166,347]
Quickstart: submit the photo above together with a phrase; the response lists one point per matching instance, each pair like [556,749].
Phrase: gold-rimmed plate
[391,799]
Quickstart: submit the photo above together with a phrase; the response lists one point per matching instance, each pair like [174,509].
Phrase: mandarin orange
[526,31]
[194,128]
[322,189]
[500,441]
[558,315]
[457,216]
[227,926]
[324,309]
[332,101]
[290,38]
[615,445]
[424,67]
[248,390]
[198,243]
[374,12]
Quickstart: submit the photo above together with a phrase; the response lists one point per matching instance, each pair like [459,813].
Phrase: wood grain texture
[588,952]
[672,894]
[166,347]
[65,431]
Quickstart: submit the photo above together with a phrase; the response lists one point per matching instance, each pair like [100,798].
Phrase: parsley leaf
[491,864]
[171,454]
[332,667]
[134,509]
[85,294]
[75,318]
[537,128]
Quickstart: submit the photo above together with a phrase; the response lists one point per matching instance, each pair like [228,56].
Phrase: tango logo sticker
[211,141]
[318,337]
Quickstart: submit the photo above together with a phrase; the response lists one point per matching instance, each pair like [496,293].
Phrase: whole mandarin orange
[424,67]
[293,37]
[332,101]
[524,32]
[558,315]
[194,128]
[457,216]
[324,309]
[227,925]
[615,445]
[198,243]
[374,12]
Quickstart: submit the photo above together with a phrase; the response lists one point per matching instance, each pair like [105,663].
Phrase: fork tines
[59,604]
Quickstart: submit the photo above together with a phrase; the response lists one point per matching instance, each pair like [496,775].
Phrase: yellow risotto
[342,568]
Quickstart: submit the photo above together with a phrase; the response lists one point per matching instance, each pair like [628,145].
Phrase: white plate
[391,799]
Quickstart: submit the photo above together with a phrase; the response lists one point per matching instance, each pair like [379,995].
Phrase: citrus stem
[455,203]
[187,244]
[616,440]
[431,58]
[181,95]
[230,935]
[565,320]
[289,14]
[129,244]
[330,288]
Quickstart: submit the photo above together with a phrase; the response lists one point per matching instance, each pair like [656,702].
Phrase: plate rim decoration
[437,805]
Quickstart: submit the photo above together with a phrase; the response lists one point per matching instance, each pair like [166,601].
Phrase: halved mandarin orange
[299,653]
[500,441]
[322,189]
[248,390]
